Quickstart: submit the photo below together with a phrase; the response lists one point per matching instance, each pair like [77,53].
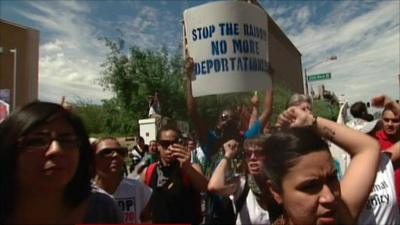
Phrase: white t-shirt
[251,212]
[381,206]
[132,196]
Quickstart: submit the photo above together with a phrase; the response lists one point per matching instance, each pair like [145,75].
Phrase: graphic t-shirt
[381,206]
[132,196]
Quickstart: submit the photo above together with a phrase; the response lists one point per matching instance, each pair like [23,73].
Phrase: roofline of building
[17,25]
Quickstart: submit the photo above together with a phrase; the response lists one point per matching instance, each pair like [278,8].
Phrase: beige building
[19,58]
[284,58]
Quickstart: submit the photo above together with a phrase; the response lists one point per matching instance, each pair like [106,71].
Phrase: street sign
[321,76]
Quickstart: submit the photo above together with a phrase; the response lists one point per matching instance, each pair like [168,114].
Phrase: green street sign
[321,76]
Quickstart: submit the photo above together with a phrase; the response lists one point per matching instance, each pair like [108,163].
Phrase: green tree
[135,76]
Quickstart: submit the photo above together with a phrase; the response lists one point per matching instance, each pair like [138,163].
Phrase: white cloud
[363,34]
[71,53]
[303,15]
[366,40]
[74,91]
[151,28]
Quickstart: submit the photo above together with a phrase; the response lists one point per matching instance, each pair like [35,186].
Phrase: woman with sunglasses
[131,195]
[46,166]
[252,203]
[302,173]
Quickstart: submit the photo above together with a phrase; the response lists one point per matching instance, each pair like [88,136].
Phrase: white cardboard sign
[228,43]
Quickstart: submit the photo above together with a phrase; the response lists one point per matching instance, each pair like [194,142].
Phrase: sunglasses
[42,142]
[109,152]
[257,154]
[166,143]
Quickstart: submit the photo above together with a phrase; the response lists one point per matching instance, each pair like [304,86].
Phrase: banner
[228,41]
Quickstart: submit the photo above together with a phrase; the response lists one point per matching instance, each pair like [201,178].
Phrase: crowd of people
[234,172]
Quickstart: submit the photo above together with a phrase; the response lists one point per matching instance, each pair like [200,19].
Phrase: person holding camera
[175,181]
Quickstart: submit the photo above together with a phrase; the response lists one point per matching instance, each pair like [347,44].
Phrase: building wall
[26,41]
[285,59]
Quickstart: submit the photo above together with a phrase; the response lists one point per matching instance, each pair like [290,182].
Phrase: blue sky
[364,35]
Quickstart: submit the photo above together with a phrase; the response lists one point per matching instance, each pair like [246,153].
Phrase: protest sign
[228,43]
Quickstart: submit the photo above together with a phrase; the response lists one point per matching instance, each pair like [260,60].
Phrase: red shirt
[386,142]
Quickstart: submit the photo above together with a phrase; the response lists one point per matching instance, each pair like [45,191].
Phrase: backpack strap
[149,173]
[240,201]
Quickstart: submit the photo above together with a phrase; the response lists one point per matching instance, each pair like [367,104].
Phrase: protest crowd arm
[192,104]
[267,107]
[196,176]
[268,103]
[357,182]
[254,110]
[218,182]
[385,101]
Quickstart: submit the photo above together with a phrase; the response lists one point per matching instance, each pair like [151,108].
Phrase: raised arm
[192,104]
[217,183]
[360,175]
[267,107]
[193,171]
[385,101]
[254,110]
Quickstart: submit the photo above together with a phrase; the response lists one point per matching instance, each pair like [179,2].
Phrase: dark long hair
[285,147]
[24,121]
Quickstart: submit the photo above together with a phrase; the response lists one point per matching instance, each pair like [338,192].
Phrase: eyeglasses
[109,152]
[387,120]
[257,154]
[167,143]
[41,142]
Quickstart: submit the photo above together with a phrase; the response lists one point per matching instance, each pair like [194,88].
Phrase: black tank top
[172,200]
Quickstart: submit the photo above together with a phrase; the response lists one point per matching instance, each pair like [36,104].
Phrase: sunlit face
[255,158]
[48,158]
[391,123]
[109,158]
[305,106]
[167,138]
[153,147]
[311,190]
